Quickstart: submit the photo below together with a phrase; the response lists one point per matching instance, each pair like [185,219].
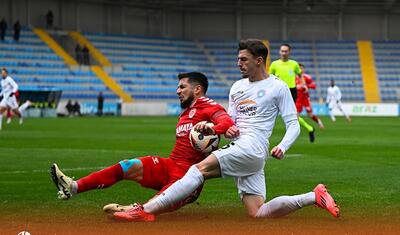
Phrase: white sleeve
[13,84]
[338,94]
[231,108]
[327,96]
[289,116]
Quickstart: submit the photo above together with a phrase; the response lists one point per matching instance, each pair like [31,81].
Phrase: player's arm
[14,86]
[289,116]
[297,71]
[233,131]
[222,122]
[327,96]
[338,94]
[310,82]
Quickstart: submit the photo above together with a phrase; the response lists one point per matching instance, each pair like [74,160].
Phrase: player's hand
[305,89]
[232,132]
[277,153]
[204,129]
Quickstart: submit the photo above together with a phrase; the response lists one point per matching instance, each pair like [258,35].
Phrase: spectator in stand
[69,108]
[78,54]
[3,28]
[17,30]
[49,19]
[86,57]
[76,109]
[100,103]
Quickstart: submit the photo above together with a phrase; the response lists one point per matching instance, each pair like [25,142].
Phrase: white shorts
[10,102]
[333,104]
[252,185]
[238,160]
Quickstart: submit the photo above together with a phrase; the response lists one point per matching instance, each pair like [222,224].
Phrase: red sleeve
[299,86]
[222,122]
[310,83]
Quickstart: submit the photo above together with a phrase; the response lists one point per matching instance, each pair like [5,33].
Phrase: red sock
[101,179]
[315,118]
[9,114]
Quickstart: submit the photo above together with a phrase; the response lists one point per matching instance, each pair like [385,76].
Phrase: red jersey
[300,90]
[204,109]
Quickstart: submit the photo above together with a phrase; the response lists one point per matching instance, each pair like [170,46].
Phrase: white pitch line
[69,150]
[95,168]
[288,156]
[48,171]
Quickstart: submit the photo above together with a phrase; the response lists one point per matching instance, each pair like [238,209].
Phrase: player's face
[3,74]
[247,63]
[284,52]
[302,69]
[185,92]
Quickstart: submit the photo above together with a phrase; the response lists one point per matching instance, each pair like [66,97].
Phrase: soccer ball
[24,233]
[204,143]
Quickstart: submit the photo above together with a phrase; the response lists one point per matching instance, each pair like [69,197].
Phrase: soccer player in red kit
[153,171]
[303,96]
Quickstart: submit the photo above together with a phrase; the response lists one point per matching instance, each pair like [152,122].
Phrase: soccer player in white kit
[333,98]
[8,89]
[254,103]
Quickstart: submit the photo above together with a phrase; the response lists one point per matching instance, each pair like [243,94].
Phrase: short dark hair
[4,69]
[286,45]
[255,47]
[301,65]
[196,78]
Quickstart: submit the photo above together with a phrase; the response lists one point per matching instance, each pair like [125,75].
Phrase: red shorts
[159,173]
[300,103]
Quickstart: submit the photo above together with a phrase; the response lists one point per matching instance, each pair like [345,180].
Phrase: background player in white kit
[8,89]
[254,104]
[333,100]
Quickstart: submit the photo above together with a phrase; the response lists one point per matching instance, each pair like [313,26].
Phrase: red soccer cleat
[136,214]
[324,200]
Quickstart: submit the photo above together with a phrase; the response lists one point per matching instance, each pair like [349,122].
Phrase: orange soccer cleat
[324,200]
[136,214]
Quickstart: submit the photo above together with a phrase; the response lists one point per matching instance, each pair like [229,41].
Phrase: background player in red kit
[303,96]
[153,171]
[21,108]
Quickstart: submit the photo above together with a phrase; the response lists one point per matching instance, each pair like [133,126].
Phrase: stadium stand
[339,61]
[323,60]
[35,66]
[387,57]
[149,66]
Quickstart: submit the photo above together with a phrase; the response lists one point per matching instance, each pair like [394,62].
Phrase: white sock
[24,106]
[176,192]
[332,116]
[284,205]
[74,188]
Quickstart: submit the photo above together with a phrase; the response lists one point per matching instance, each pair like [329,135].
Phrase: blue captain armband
[127,164]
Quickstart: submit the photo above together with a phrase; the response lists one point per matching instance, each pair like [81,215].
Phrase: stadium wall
[353,109]
[110,17]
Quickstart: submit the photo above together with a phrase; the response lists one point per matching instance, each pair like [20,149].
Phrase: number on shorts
[228,145]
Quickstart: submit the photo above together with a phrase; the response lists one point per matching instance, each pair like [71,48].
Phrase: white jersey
[8,86]
[333,94]
[254,107]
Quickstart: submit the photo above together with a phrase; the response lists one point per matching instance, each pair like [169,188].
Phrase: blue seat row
[142,43]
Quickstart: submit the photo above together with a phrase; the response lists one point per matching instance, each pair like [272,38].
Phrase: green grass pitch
[359,162]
